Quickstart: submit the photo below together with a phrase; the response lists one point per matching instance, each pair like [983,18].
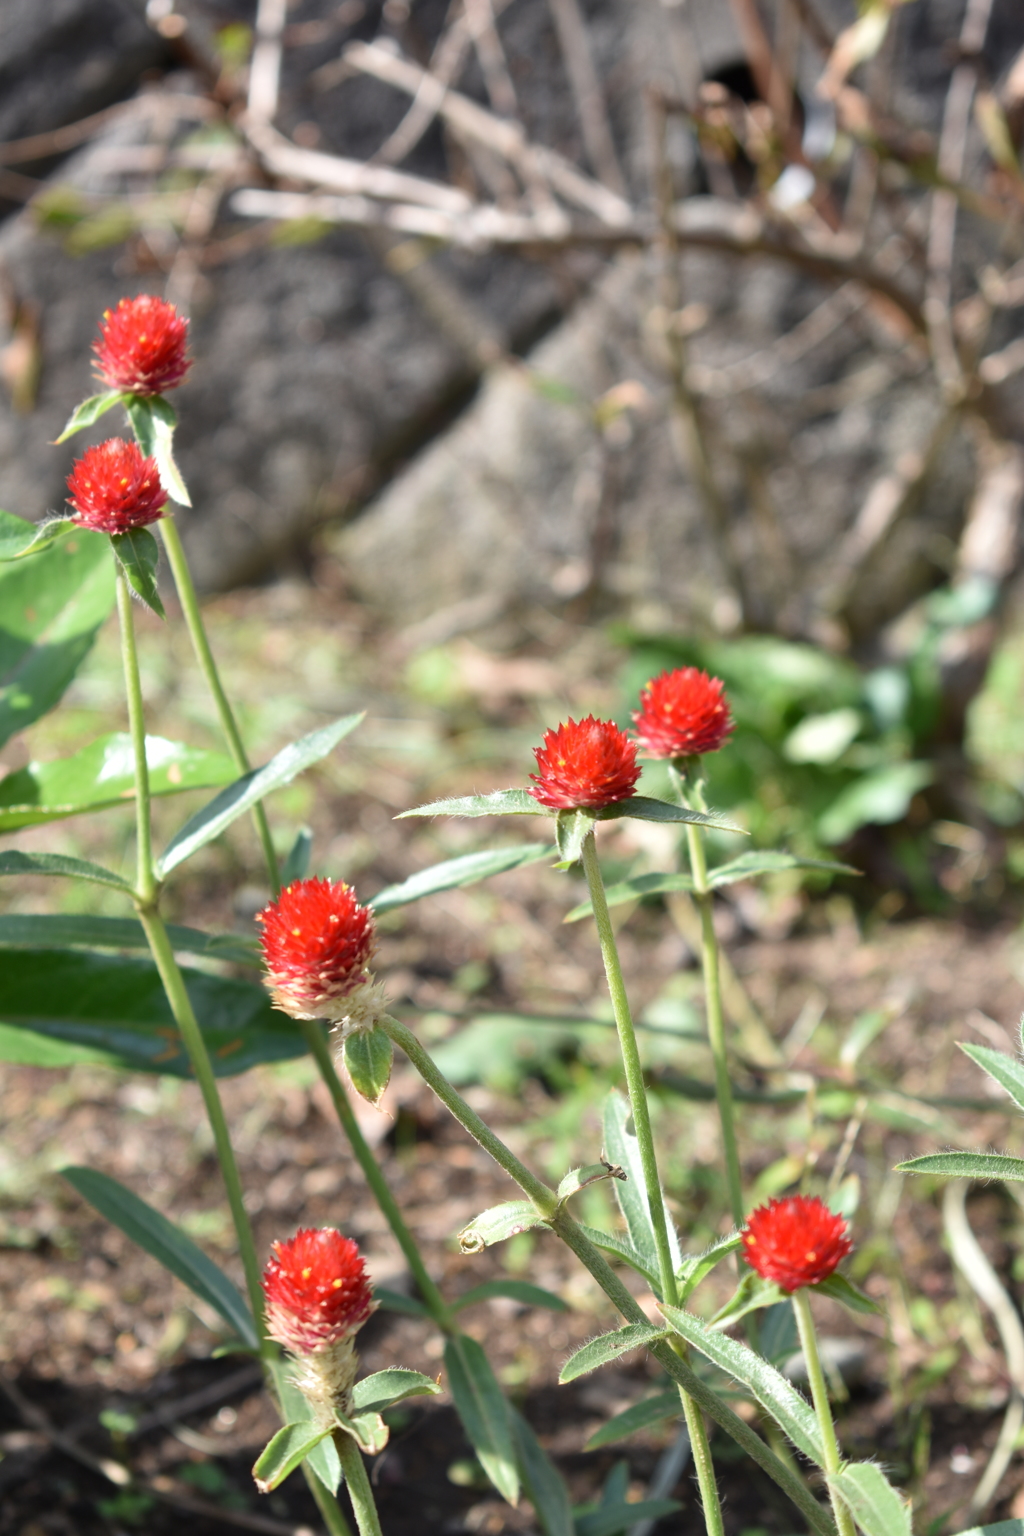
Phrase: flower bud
[317,943]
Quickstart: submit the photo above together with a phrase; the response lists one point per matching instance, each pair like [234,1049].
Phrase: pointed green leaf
[88,412]
[481,1406]
[545,1487]
[153,422]
[78,930]
[872,1500]
[571,828]
[247,791]
[19,537]
[610,1346]
[621,1147]
[368,1057]
[765,861]
[465,870]
[167,1244]
[840,1289]
[579,1178]
[1000,1528]
[368,1430]
[610,1519]
[696,1265]
[286,1452]
[793,1414]
[652,1410]
[323,1458]
[1007,1072]
[750,1295]
[394,1301]
[643,808]
[52,603]
[517,1290]
[967,1165]
[296,865]
[138,555]
[632,890]
[103,774]
[497,1224]
[500,802]
[619,1248]
[375,1393]
[15,863]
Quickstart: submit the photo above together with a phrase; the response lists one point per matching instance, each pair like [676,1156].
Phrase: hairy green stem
[190,608]
[326,1503]
[145,880]
[819,1395]
[359,1490]
[313,1032]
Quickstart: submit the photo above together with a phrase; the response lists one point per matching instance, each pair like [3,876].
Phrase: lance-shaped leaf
[622,1148]
[967,1165]
[18,537]
[375,1393]
[766,861]
[247,791]
[296,865]
[545,1487]
[323,1458]
[500,802]
[652,1410]
[633,890]
[1007,1072]
[643,808]
[14,863]
[872,1500]
[102,775]
[840,1289]
[286,1452]
[368,1430]
[593,1173]
[467,869]
[610,1346]
[793,1414]
[497,1224]
[88,412]
[999,1528]
[52,604]
[516,1290]
[153,422]
[696,1265]
[750,1295]
[619,1248]
[167,1244]
[481,1406]
[79,930]
[138,555]
[368,1057]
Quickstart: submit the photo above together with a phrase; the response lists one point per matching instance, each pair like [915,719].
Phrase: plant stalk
[326,1503]
[145,879]
[822,1408]
[359,1490]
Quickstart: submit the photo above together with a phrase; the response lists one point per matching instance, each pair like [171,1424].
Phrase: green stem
[316,1040]
[326,1503]
[819,1394]
[178,562]
[700,1448]
[635,1085]
[359,1490]
[145,883]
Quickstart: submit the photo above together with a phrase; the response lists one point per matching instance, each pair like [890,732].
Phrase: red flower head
[142,344]
[682,714]
[317,1290]
[317,942]
[585,765]
[113,488]
[795,1242]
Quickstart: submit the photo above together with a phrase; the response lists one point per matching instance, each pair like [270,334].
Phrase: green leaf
[516,1290]
[497,1224]
[1000,1528]
[286,1452]
[872,1500]
[619,1248]
[153,422]
[696,1265]
[643,808]
[116,1007]
[103,774]
[465,870]
[52,603]
[621,1147]
[571,828]
[545,1487]
[632,890]
[375,1393]
[368,1430]
[70,930]
[324,1458]
[500,802]
[247,791]
[296,865]
[793,1414]
[766,861]
[610,1346]
[609,1519]
[88,412]
[751,1294]
[652,1410]
[967,1165]
[579,1178]
[368,1057]
[138,555]
[1007,1072]
[15,863]
[879,797]
[167,1244]
[18,537]
[481,1406]
[394,1301]
[840,1289]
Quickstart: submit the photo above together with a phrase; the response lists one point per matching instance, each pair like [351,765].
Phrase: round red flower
[682,714]
[585,765]
[795,1242]
[317,942]
[142,345]
[317,1290]
[113,488]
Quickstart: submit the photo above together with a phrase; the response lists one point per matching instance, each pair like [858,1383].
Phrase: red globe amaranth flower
[317,1290]
[142,344]
[795,1242]
[682,714]
[113,488]
[585,765]
[317,942]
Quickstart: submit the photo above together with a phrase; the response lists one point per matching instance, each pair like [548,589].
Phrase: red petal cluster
[113,488]
[795,1242]
[682,714]
[317,1290]
[585,765]
[317,942]
[142,344]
